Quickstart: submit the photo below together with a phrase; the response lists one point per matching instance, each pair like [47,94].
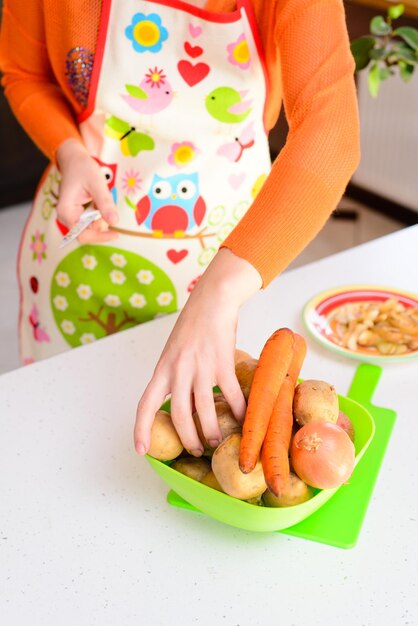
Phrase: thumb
[103,201]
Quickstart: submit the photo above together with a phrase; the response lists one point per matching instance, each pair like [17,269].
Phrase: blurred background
[381,197]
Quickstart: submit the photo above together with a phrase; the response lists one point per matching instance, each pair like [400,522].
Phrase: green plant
[386,48]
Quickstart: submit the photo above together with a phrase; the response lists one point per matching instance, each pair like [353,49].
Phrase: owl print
[172,206]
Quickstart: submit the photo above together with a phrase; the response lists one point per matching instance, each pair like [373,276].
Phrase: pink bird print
[153,94]
[234,150]
[39,332]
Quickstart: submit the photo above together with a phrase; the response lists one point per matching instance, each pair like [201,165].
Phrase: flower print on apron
[175,119]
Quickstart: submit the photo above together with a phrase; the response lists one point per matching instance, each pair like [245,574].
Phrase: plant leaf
[377,53]
[373,80]
[360,49]
[396,11]
[408,34]
[405,71]
[404,53]
[379,26]
[384,73]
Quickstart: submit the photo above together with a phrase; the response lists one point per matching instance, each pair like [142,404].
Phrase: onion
[322,455]
[344,423]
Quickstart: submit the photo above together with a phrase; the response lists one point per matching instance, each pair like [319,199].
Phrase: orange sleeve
[28,80]
[322,150]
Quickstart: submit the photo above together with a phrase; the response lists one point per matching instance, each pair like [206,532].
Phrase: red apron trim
[98,59]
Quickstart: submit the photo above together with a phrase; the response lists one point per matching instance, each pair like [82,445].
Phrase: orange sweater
[309,66]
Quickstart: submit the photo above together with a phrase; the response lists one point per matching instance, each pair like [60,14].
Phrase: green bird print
[228,105]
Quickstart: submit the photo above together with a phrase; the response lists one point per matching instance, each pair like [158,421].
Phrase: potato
[225,466]
[227,425]
[165,442]
[193,467]
[210,481]
[240,355]
[258,501]
[315,401]
[244,371]
[295,492]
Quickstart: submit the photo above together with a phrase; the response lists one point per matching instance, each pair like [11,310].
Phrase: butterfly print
[234,150]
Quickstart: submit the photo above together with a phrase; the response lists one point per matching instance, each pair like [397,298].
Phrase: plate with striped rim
[337,317]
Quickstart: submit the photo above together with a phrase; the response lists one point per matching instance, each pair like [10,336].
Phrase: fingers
[97,232]
[151,400]
[181,414]
[205,407]
[230,387]
[94,236]
[83,182]
[68,211]
[103,201]
[185,394]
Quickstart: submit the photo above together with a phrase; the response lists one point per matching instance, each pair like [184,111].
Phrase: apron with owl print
[175,119]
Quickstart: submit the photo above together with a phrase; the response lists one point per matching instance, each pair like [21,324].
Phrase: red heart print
[193,51]
[175,256]
[193,74]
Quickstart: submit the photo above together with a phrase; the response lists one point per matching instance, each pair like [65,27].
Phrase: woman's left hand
[199,354]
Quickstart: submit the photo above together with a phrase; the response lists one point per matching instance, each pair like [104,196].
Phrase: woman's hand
[200,354]
[82,181]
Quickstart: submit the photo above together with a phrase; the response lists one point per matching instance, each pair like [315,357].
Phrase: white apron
[175,118]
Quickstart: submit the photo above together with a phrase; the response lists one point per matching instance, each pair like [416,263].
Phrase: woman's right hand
[82,181]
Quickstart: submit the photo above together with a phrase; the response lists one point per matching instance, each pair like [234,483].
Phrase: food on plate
[345,423]
[244,371]
[193,467]
[165,442]
[241,355]
[387,327]
[275,450]
[322,454]
[294,492]
[269,375]
[226,468]
[210,480]
[315,400]
[227,425]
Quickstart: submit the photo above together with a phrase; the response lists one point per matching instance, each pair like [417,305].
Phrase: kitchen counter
[86,534]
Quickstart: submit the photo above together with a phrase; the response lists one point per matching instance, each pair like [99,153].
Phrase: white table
[86,535]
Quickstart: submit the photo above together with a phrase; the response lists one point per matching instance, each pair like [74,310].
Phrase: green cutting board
[339,521]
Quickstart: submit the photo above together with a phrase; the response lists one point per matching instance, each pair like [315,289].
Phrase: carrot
[299,353]
[270,373]
[275,451]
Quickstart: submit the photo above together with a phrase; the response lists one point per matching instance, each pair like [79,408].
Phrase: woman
[155,112]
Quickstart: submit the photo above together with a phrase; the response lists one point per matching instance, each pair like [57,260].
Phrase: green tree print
[99,290]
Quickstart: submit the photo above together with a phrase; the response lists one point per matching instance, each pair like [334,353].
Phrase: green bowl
[240,514]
